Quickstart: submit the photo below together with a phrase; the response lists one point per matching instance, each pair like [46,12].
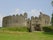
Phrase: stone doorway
[37,27]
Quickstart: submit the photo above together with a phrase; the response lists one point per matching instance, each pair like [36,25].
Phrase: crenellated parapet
[44,19]
[23,20]
[15,20]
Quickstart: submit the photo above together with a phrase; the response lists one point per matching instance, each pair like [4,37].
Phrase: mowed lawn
[25,36]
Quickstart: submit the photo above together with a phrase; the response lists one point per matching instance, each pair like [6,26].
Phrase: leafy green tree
[52,14]
[52,19]
[52,3]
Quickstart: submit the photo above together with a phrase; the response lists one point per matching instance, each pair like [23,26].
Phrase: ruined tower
[38,22]
[22,20]
[15,20]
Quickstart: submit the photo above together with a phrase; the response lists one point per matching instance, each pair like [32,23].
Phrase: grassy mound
[22,29]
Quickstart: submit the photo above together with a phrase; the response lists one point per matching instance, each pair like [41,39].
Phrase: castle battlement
[23,20]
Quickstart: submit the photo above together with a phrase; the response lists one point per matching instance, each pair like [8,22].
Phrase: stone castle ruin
[35,23]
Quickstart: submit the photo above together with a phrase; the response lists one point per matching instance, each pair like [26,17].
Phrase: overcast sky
[32,7]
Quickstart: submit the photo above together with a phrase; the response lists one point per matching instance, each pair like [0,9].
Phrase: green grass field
[10,35]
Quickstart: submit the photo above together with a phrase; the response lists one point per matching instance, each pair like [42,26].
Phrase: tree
[52,19]
[52,14]
[52,3]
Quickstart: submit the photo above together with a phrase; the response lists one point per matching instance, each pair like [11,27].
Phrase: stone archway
[37,27]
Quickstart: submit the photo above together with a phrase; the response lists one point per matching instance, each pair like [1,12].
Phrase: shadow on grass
[48,33]
[48,30]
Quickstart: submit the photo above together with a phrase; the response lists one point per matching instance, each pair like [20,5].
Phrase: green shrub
[47,29]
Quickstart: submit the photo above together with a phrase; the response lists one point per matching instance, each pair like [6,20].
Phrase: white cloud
[14,12]
[17,11]
[35,12]
[32,12]
[1,20]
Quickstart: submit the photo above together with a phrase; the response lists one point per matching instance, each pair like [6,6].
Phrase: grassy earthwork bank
[13,34]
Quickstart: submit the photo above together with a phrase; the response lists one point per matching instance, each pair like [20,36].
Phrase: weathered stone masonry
[35,23]
[13,21]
